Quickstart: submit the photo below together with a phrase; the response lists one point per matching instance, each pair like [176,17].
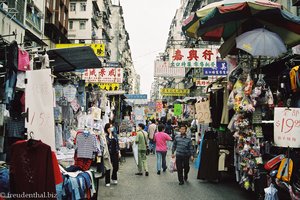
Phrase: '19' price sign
[287,127]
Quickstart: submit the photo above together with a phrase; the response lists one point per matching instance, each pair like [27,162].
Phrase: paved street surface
[165,186]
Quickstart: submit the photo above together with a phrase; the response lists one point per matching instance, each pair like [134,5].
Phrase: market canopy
[71,59]
[227,21]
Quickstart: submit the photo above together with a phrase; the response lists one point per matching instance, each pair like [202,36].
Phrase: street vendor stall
[257,32]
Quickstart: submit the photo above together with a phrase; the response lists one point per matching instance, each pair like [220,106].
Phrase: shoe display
[181,183]
[139,174]
[107,185]
[158,172]
[147,174]
[114,182]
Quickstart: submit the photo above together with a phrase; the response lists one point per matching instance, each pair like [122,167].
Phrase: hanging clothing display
[86,145]
[23,60]
[69,92]
[208,168]
[31,168]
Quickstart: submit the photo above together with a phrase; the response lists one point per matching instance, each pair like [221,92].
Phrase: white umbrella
[261,42]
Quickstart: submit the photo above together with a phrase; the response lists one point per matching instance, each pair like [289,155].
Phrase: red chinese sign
[199,58]
[201,82]
[104,75]
[287,127]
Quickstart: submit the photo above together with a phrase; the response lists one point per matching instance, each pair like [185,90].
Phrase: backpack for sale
[274,162]
[285,170]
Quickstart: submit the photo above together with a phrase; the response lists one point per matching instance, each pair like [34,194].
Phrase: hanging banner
[177,109]
[221,69]
[99,49]
[159,106]
[287,127]
[103,75]
[203,112]
[39,101]
[163,69]
[202,82]
[174,92]
[194,58]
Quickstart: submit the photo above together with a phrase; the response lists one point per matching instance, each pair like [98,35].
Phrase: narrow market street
[165,186]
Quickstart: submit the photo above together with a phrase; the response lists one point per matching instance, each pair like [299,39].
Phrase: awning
[71,59]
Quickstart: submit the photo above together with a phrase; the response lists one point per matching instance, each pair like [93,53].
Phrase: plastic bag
[172,165]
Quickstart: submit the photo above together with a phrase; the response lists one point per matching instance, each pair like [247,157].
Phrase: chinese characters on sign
[99,49]
[136,96]
[159,106]
[163,69]
[174,92]
[200,58]
[202,82]
[103,75]
[287,127]
[221,69]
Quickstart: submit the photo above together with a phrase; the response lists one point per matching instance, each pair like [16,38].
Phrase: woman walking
[161,139]
[114,151]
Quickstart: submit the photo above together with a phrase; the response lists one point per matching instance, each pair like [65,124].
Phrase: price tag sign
[287,127]
[203,112]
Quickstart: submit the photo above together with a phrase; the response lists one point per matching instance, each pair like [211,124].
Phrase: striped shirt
[183,146]
[86,145]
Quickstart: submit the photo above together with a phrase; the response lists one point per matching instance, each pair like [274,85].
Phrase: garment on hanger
[96,112]
[20,80]
[81,121]
[70,92]
[59,91]
[58,136]
[23,60]
[86,145]
[31,168]
[216,105]
[16,128]
[208,168]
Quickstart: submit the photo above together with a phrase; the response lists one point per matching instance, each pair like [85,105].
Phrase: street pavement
[165,186]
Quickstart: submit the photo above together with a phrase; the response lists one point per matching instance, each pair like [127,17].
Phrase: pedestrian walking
[115,154]
[184,151]
[142,141]
[160,139]
[151,130]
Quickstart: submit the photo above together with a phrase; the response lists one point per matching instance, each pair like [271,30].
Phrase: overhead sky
[148,23]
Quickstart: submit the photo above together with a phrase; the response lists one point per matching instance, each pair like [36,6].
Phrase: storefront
[55,109]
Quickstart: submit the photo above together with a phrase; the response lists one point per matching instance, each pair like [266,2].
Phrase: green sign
[177,109]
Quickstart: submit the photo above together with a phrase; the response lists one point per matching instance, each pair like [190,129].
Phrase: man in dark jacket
[184,151]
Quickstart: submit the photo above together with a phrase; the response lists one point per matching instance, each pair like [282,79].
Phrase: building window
[82,25]
[82,6]
[70,25]
[72,6]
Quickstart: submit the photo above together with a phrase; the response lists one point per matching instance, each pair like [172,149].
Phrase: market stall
[253,92]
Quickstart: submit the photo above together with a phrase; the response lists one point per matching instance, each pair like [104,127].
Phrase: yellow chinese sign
[99,49]
[174,92]
[107,86]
